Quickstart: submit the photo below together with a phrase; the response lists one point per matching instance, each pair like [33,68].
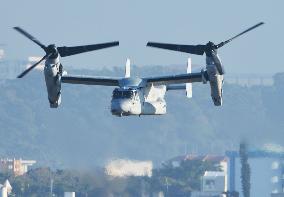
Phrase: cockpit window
[123,93]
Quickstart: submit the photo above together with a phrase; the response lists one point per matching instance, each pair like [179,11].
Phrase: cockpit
[124,93]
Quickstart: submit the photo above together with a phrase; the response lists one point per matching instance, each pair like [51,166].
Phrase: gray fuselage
[147,100]
[53,81]
[216,80]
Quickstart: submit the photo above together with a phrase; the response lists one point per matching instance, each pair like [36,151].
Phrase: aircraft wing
[176,79]
[90,80]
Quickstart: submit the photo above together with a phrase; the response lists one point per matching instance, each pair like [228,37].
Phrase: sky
[133,23]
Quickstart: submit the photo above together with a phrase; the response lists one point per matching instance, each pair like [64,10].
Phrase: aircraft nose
[124,105]
[120,107]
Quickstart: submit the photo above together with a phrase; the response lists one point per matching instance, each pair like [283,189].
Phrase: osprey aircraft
[134,95]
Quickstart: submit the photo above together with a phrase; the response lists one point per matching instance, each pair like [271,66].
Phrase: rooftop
[214,174]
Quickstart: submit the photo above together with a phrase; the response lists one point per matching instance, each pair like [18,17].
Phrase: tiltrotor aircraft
[134,95]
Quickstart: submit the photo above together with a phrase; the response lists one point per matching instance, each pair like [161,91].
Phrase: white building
[206,194]
[8,186]
[5,189]
[214,181]
[3,192]
[213,184]
[121,167]
[69,194]
[17,166]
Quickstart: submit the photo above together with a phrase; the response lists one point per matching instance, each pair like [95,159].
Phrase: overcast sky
[133,23]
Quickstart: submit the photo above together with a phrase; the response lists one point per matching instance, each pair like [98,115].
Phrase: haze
[134,23]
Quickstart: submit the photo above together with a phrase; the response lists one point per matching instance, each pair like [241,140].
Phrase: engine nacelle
[216,84]
[52,73]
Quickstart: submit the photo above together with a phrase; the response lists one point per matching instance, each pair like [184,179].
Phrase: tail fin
[127,68]
[189,85]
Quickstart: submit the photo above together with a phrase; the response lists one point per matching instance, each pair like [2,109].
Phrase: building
[121,168]
[5,189]
[213,184]
[158,194]
[222,161]
[206,194]
[17,167]
[214,181]
[69,194]
[267,172]
[277,195]
[8,186]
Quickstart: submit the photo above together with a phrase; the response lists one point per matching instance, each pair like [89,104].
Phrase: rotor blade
[29,36]
[67,51]
[193,49]
[30,68]
[249,29]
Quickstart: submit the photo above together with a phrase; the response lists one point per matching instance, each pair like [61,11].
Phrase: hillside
[83,133]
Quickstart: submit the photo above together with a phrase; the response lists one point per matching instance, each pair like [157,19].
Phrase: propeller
[52,51]
[210,49]
[33,66]
[247,30]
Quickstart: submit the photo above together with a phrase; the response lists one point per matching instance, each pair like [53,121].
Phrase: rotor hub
[52,51]
[210,48]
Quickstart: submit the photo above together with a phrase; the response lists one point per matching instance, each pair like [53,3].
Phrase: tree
[245,170]
[182,179]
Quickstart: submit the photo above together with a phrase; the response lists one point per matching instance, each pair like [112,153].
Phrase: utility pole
[51,187]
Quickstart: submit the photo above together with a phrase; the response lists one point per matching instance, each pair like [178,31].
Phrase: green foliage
[181,179]
[173,181]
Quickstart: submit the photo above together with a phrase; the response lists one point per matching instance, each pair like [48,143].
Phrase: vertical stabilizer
[127,68]
[189,85]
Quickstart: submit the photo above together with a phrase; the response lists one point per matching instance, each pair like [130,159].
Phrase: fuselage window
[127,94]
